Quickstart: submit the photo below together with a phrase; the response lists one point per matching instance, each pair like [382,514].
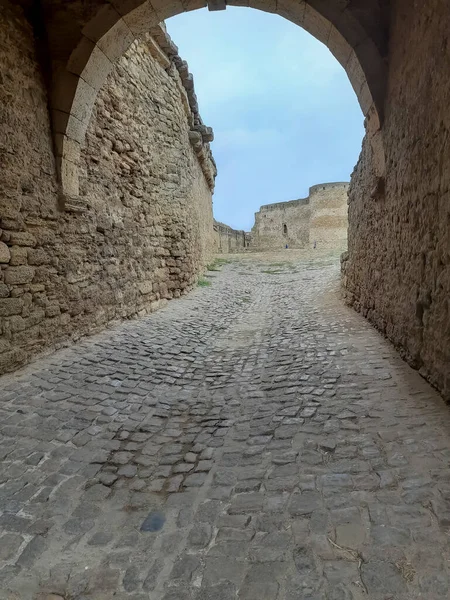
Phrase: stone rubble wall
[147,175]
[322,217]
[228,240]
[397,270]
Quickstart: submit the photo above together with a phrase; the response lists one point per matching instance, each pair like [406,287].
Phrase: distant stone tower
[320,218]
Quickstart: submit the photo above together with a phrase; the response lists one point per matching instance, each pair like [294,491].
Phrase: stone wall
[329,215]
[228,240]
[145,229]
[397,271]
[320,218]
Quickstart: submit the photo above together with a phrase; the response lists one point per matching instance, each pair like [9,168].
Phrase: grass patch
[217,263]
[202,282]
[272,271]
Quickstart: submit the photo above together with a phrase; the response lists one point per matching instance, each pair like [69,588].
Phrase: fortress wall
[282,223]
[143,229]
[322,217]
[329,219]
[228,240]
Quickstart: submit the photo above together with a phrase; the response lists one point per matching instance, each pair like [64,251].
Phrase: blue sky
[284,114]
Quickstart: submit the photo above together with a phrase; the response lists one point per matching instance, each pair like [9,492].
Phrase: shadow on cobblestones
[255,440]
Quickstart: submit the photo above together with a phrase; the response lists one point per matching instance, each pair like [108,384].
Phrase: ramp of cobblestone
[255,440]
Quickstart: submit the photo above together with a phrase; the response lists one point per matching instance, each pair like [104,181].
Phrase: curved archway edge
[110,32]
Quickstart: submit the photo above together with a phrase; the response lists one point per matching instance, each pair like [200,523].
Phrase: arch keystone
[214,5]
[141,19]
[167,8]
[265,5]
[292,11]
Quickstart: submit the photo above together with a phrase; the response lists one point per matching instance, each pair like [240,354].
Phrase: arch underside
[84,50]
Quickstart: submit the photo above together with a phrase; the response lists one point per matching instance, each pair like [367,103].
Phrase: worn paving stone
[273,448]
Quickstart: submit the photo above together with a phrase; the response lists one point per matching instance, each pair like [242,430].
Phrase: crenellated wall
[321,219]
[141,230]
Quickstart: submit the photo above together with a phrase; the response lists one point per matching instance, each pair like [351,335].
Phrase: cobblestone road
[256,440]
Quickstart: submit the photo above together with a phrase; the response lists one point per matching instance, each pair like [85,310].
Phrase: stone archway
[355,37]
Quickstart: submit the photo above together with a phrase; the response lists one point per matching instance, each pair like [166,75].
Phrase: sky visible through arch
[284,114]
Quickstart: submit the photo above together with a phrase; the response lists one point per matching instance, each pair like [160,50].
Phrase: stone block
[339,47]
[291,10]
[19,255]
[63,91]
[19,275]
[167,8]
[355,73]
[146,287]
[22,238]
[16,323]
[82,100]
[5,254]
[90,63]
[38,256]
[141,19]
[116,41]
[10,306]
[104,21]
[69,180]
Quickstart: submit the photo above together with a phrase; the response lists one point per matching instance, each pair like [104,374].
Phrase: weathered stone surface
[392,274]
[5,254]
[79,419]
[153,235]
[317,221]
[19,275]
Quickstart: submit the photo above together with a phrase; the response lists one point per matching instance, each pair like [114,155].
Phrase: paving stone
[100,538]
[304,503]
[185,567]
[78,526]
[195,480]
[224,590]
[200,535]
[222,568]
[350,535]
[257,584]
[266,414]
[246,503]
[10,522]
[127,471]
[32,552]
[9,545]
[382,579]
[131,579]
[183,468]
[107,478]
[121,458]
[190,457]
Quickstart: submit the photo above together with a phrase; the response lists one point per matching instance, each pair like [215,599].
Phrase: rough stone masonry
[141,229]
[320,220]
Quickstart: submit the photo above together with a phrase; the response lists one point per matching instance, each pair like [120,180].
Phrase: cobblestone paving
[256,440]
